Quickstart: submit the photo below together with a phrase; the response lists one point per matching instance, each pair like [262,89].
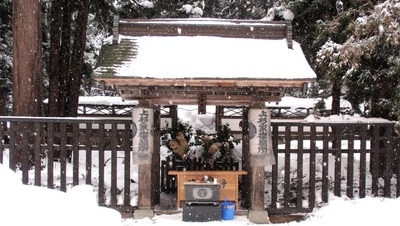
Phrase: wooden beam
[203,83]
[211,100]
[229,92]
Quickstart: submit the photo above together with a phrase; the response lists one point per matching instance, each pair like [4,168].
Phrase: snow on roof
[344,119]
[102,100]
[105,100]
[295,102]
[212,57]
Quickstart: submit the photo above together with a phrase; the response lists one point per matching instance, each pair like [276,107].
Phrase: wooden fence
[344,159]
[97,151]
[314,160]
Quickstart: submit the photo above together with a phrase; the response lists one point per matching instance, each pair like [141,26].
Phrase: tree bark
[77,62]
[27,69]
[67,51]
[27,58]
[336,87]
[65,56]
[54,63]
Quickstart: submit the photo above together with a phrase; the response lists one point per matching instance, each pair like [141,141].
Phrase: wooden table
[227,179]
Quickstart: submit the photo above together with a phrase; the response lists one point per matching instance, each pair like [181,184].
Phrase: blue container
[228,210]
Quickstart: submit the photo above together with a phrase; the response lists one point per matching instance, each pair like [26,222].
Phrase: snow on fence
[315,160]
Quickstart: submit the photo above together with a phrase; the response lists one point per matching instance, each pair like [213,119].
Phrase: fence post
[375,154]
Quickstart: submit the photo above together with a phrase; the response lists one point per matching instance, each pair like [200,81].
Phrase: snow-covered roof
[178,61]
[211,57]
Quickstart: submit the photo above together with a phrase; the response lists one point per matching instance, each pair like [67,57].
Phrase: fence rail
[314,160]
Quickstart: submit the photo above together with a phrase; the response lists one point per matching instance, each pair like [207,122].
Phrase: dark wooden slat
[75,153]
[63,156]
[50,155]
[246,164]
[2,139]
[38,153]
[101,162]
[156,156]
[88,135]
[274,192]
[350,162]
[388,160]
[163,176]
[170,178]
[24,139]
[375,156]
[287,167]
[338,160]
[363,161]
[311,193]
[127,166]
[13,144]
[300,160]
[114,164]
[325,165]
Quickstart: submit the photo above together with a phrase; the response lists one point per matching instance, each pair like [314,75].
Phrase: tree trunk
[66,66]
[336,87]
[77,62]
[65,56]
[27,59]
[54,62]
[27,63]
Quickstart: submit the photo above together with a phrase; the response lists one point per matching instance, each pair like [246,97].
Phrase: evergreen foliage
[362,53]
[6,45]
[178,140]
[218,146]
[354,52]
[186,144]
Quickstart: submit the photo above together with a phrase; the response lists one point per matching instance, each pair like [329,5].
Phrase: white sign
[143,136]
[260,138]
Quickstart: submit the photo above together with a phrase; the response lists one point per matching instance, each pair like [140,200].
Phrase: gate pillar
[260,156]
[144,121]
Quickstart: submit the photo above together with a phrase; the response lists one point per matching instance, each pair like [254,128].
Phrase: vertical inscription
[263,132]
[143,131]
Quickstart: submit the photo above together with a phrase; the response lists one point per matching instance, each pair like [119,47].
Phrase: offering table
[228,180]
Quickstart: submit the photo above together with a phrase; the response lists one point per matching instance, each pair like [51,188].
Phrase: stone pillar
[142,155]
[261,155]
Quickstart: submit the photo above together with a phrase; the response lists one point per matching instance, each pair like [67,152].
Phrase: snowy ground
[340,211]
[29,205]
